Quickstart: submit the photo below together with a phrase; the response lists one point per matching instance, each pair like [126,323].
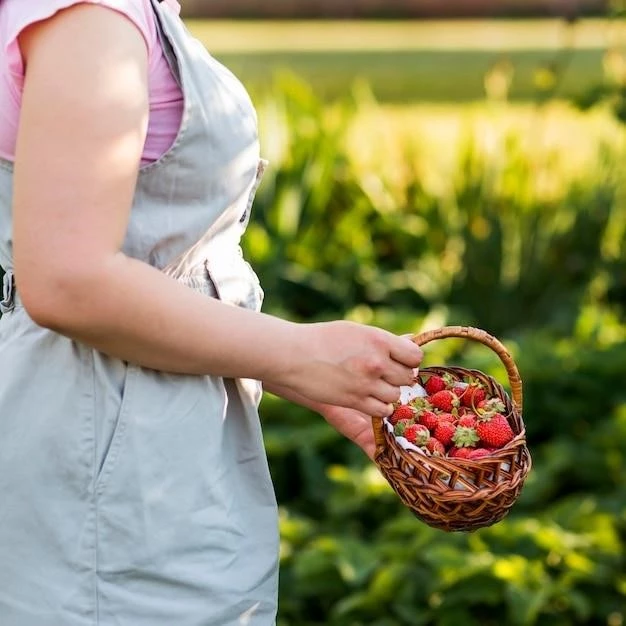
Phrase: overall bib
[128,496]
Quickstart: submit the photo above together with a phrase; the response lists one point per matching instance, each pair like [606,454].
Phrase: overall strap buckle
[8,292]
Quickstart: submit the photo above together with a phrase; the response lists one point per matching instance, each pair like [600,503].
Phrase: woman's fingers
[399,375]
[384,392]
[405,351]
[375,408]
[380,399]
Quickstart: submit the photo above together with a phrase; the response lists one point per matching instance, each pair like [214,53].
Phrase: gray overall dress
[132,497]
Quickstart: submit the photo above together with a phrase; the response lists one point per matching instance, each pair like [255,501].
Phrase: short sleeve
[17,15]
[166,100]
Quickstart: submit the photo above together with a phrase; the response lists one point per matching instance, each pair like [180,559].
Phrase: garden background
[429,170]
[434,170]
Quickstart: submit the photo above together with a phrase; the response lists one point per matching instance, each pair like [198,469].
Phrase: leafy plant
[514,240]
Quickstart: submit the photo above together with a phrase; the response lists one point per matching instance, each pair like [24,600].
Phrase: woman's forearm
[132,311]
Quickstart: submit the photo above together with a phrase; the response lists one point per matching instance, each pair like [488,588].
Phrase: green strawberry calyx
[465,437]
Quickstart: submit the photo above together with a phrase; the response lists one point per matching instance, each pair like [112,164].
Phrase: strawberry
[490,405]
[428,419]
[473,395]
[444,400]
[444,432]
[460,453]
[447,417]
[434,446]
[465,437]
[434,384]
[401,412]
[467,419]
[459,389]
[400,427]
[479,453]
[417,434]
[494,430]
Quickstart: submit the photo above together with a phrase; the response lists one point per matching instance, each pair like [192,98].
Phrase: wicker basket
[454,494]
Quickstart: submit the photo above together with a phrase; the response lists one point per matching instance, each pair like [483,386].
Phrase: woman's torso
[133,497]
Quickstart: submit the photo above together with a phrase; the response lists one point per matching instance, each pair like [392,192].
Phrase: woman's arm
[82,129]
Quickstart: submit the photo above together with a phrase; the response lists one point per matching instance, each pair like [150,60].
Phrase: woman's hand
[349,373]
[350,365]
[352,424]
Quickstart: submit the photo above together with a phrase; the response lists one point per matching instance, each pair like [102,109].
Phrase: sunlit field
[424,174]
[433,61]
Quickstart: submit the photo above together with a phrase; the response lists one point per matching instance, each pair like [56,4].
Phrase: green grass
[407,61]
[410,76]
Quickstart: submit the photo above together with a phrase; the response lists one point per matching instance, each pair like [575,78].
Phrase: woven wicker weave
[455,494]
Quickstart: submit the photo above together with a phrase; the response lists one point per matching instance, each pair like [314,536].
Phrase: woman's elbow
[56,299]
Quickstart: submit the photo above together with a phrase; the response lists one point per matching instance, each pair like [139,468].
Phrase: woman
[134,485]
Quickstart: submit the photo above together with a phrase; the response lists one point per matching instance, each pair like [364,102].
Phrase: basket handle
[475,334]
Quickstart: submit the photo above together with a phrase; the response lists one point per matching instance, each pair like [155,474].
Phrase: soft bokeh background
[453,163]
[447,162]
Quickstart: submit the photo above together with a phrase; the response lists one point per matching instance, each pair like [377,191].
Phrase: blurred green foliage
[362,216]
[404,75]
[511,239]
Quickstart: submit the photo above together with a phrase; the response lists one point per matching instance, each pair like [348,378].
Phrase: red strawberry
[428,419]
[435,447]
[417,434]
[494,430]
[434,384]
[444,432]
[465,437]
[400,427]
[444,400]
[473,395]
[468,419]
[458,390]
[447,417]
[479,453]
[460,453]
[401,412]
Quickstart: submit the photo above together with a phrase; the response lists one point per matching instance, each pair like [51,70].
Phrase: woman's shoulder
[16,15]
[166,100]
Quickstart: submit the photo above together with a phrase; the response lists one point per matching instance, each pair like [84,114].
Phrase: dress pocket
[112,451]
[234,279]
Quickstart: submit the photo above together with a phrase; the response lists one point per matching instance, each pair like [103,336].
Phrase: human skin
[73,193]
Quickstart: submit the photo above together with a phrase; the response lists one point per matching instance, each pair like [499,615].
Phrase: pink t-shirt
[166,100]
